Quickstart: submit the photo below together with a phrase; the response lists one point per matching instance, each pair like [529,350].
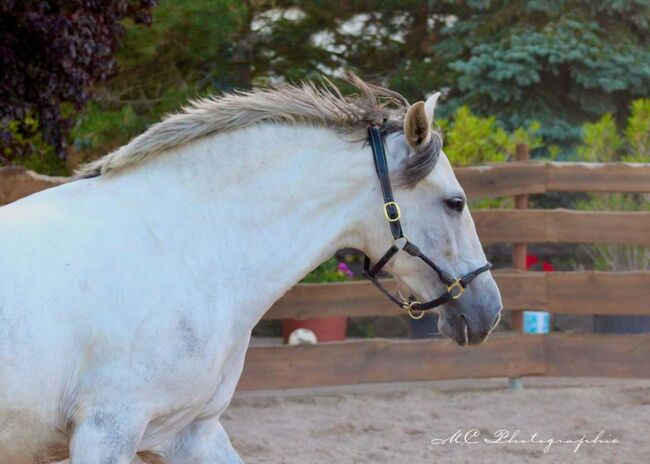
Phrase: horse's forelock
[420,163]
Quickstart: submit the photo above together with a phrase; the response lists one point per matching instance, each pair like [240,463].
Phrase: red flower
[532,260]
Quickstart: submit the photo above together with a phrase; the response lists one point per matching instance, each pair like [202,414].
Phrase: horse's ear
[417,126]
[430,105]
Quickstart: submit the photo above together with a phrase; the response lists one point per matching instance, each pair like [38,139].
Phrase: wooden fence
[509,355]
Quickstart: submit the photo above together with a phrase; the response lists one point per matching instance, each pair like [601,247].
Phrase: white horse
[127,297]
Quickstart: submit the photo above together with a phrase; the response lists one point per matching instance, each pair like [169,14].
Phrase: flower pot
[327,329]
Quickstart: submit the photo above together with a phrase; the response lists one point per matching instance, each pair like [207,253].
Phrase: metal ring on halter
[414,313]
[459,289]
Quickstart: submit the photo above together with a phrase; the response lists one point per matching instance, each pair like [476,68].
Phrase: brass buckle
[387,216]
[459,289]
[413,313]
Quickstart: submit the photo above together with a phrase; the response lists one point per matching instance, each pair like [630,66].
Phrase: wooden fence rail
[562,226]
[557,292]
[508,355]
[521,178]
[17,182]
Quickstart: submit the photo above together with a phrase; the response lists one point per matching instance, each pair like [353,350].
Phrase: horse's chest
[210,401]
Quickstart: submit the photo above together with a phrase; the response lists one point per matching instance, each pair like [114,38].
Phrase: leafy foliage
[191,49]
[561,63]
[637,132]
[603,142]
[51,52]
[471,139]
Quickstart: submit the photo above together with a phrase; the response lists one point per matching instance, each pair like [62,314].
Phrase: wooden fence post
[519,252]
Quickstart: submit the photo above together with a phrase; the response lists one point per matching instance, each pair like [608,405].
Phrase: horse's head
[434,217]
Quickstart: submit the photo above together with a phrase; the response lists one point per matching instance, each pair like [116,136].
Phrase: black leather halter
[392,213]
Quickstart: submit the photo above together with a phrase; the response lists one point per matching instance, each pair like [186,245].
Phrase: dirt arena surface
[396,423]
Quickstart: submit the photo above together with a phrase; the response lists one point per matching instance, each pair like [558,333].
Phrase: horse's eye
[456,203]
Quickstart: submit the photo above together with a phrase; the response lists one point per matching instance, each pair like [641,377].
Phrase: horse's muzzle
[465,329]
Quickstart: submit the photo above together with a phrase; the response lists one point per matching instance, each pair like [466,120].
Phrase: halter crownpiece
[392,213]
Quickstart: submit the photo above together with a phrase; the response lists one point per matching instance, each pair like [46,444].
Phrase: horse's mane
[317,105]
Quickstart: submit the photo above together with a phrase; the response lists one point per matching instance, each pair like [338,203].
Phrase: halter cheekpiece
[392,213]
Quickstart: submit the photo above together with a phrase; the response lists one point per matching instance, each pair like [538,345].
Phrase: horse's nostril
[466,334]
[466,329]
[477,333]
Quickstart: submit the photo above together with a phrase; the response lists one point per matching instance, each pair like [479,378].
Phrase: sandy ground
[396,423]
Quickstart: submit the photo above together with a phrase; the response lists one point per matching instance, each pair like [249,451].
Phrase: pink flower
[344,269]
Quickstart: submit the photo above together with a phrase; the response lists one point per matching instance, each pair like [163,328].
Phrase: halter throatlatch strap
[392,213]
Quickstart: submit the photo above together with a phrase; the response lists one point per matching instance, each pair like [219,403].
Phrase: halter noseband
[392,213]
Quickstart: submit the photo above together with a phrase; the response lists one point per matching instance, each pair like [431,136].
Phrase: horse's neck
[256,209]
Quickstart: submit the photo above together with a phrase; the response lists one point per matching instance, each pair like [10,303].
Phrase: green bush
[603,142]
[41,157]
[472,140]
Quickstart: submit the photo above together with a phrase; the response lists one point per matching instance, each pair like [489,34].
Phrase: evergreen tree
[559,62]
